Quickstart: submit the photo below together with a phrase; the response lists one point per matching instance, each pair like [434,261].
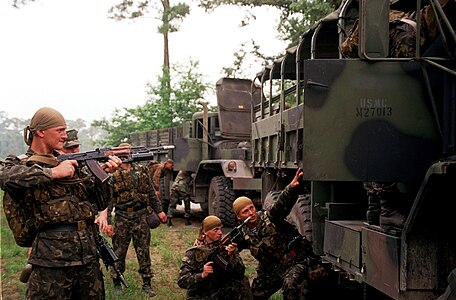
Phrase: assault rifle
[109,257]
[127,154]
[218,254]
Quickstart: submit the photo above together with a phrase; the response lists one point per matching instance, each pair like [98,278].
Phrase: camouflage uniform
[402,36]
[64,254]
[281,264]
[157,171]
[133,192]
[230,284]
[180,191]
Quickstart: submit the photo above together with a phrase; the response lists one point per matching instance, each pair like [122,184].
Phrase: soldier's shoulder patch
[200,252]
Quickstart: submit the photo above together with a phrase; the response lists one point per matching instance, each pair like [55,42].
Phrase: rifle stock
[93,158]
[109,257]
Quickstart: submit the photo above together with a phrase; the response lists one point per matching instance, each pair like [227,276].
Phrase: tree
[17,3]
[11,135]
[296,17]
[158,111]
[170,17]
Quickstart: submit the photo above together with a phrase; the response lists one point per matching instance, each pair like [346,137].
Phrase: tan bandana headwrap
[209,223]
[240,203]
[43,119]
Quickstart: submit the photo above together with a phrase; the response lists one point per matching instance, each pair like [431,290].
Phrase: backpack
[20,216]
[21,219]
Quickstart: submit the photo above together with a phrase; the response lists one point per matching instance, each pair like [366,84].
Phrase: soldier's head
[243,207]
[125,166]
[211,229]
[71,144]
[46,131]
[169,164]
[182,174]
[124,145]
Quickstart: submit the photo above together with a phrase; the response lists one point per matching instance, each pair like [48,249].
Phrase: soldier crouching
[203,279]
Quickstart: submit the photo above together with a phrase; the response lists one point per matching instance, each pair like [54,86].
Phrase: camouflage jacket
[269,241]
[54,202]
[156,170]
[217,285]
[181,183]
[132,191]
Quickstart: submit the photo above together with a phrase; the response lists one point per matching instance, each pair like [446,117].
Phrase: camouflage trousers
[136,229]
[78,282]
[176,198]
[268,282]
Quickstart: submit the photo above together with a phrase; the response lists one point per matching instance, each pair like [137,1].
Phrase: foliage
[241,57]
[11,135]
[296,17]
[300,16]
[17,3]
[170,16]
[166,106]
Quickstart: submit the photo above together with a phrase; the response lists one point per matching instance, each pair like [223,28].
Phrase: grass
[167,248]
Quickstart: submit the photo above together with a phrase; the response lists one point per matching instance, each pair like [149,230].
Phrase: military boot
[373,209]
[117,286]
[169,222]
[391,215]
[187,219]
[147,288]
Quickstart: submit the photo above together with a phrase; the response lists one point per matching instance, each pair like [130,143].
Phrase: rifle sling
[47,159]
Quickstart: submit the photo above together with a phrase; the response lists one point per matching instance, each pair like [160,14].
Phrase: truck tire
[220,200]
[300,216]
[270,199]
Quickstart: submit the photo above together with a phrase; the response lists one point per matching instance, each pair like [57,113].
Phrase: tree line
[173,97]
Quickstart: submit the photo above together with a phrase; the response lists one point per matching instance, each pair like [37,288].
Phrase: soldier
[64,254]
[282,253]
[133,192]
[202,279]
[71,144]
[180,191]
[157,171]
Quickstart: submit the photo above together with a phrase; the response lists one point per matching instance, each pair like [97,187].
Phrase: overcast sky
[68,55]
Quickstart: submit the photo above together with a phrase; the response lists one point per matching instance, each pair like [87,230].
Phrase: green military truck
[215,148]
[356,106]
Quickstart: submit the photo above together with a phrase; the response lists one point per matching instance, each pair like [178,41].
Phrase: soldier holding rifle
[133,195]
[205,279]
[283,254]
[58,194]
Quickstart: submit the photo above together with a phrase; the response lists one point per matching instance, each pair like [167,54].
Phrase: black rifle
[108,256]
[218,255]
[126,154]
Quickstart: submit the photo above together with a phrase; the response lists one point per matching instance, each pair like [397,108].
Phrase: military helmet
[72,139]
